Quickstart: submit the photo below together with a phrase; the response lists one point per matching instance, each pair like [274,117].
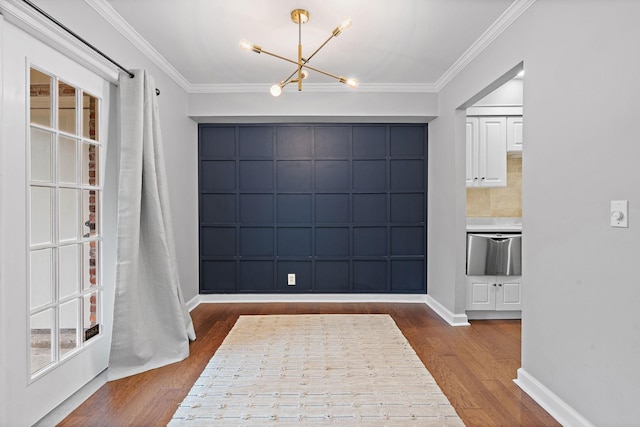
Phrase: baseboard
[451,318]
[193,303]
[76,399]
[492,314]
[556,407]
[231,298]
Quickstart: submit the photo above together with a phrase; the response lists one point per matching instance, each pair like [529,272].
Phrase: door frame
[24,401]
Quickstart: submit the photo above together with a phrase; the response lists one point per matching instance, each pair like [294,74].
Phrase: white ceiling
[399,42]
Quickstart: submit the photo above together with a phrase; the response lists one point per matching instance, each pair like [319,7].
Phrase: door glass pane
[90,119]
[68,270]
[68,214]
[41,211]
[90,213]
[68,334]
[40,98]
[40,277]
[66,108]
[41,340]
[90,164]
[67,160]
[91,315]
[41,154]
[89,265]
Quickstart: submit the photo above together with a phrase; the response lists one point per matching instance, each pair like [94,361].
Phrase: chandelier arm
[317,70]
[275,55]
[318,49]
[305,65]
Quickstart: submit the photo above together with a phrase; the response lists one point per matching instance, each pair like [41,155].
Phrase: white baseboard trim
[193,303]
[556,407]
[240,298]
[444,313]
[451,318]
[76,399]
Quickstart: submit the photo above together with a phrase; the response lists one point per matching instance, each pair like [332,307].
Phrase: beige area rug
[315,370]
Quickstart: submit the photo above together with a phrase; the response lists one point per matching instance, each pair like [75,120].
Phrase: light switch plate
[619,213]
[291,279]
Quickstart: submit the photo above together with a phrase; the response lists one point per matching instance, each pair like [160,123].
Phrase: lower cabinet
[493,293]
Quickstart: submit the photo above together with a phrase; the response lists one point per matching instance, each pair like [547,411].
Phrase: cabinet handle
[475,179]
[483,178]
[494,284]
[499,284]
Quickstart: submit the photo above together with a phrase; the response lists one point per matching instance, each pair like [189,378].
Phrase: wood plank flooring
[475,366]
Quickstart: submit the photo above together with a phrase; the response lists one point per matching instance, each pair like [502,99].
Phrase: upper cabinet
[486,152]
[514,133]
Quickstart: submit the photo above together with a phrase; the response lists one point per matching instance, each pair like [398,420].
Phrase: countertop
[494,224]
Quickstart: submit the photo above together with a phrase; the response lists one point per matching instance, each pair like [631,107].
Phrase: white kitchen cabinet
[493,293]
[486,152]
[514,133]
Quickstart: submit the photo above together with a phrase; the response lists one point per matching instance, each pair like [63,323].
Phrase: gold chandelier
[301,16]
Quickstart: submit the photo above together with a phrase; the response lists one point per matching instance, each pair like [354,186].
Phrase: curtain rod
[86,43]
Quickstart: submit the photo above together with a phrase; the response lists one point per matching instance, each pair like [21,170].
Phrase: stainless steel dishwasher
[494,254]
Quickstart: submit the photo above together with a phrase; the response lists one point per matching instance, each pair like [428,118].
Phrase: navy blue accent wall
[341,206]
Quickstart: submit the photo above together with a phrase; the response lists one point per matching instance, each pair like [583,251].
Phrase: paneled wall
[343,207]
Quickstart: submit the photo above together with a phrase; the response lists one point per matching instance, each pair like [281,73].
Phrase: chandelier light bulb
[245,45]
[275,90]
[305,74]
[353,83]
[346,23]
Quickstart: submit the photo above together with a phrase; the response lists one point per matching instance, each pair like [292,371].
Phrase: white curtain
[151,324]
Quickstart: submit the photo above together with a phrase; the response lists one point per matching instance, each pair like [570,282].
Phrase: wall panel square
[294,242]
[332,208]
[219,208]
[332,276]
[216,142]
[332,242]
[256,276]
[256,141]
[256,241]
[294,208]
[294,175]
[217,176]
[256,208]
[256,175]
[331,142]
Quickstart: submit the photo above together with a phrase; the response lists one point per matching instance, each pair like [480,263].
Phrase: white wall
[580,329]
[179,133]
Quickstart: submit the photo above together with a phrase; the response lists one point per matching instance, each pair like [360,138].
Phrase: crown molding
[122,26]
[508,17]
[29,20]
[317,87]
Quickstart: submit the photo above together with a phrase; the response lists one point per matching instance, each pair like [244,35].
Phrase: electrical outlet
[291,279]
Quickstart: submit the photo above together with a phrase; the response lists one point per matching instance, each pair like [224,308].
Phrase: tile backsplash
[502,201]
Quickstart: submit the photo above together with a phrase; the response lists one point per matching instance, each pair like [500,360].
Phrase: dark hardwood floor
[475,366]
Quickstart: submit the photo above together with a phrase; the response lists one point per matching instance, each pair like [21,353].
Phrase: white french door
[56,281]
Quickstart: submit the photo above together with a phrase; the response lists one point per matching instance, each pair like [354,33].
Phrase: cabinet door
[508,293]
[480,293]
[492,164]
[472,152]
[514,133]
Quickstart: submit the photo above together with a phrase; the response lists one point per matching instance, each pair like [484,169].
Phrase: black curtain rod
[68,30]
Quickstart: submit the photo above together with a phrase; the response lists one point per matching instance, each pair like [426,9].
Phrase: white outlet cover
[619,213]
[291,279]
